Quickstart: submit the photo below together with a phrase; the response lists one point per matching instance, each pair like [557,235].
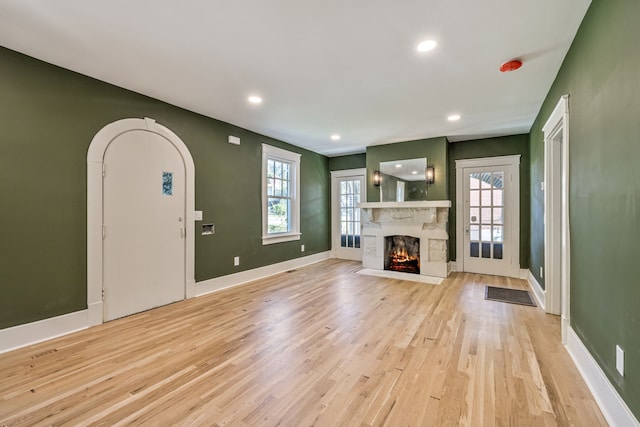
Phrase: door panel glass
[498,216]
[498,198]
[498,180]
[486,214]
[485,233]
[349,213]
[475,216]
[486,250]
[474,198]
[474,232]
[475,249]
[497,251]
[486,198]
[497,233]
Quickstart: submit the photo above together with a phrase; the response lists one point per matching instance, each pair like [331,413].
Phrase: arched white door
[140,181]
[144,224]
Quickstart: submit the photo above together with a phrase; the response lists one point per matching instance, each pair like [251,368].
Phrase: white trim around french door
[488,215]
[557,239]
[348,188]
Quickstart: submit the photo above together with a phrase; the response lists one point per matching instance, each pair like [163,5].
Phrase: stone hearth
[426,221]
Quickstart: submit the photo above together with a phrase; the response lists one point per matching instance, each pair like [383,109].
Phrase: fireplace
[402,254]
[423,223]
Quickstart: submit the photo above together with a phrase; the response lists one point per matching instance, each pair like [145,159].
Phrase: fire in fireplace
[402,253]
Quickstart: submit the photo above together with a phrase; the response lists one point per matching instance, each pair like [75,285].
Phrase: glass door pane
[350,213]
[486,214]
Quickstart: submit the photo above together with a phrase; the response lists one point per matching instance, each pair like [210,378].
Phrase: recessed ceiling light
[398,165]
[454,117]
[335,137]
[414,172]
[255,99]
[426,45]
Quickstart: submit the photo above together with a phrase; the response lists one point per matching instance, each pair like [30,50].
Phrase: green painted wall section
[48,117]
[351,161]
[434,149]
[493,147]
[600,74]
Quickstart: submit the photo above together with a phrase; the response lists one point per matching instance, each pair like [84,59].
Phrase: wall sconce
[377,178]
[430,175]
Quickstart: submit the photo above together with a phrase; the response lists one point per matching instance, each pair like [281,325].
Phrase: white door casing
[350,248]
[143,224]
[95,158]
[556,214]
[488,229]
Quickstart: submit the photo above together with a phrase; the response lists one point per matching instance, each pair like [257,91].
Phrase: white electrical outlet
[541,273]
[301,248]
[236,261]
[620,360]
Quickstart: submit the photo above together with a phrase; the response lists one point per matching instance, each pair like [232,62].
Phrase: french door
[488,230]
[348,189]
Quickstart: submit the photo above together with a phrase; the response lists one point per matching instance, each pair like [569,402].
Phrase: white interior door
[348,191]
[489,229]
[144,224]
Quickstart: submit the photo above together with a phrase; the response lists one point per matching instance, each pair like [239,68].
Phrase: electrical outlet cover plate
[620,360]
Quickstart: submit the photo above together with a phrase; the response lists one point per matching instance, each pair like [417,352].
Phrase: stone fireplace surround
[424,220]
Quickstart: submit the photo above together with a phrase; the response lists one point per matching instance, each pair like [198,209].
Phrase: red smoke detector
[510,66]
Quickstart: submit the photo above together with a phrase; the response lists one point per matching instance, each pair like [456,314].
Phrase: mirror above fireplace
[403,180]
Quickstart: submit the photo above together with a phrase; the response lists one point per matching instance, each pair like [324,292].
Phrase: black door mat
[512,296]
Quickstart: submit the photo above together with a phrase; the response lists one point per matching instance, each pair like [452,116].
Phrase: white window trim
[270,152]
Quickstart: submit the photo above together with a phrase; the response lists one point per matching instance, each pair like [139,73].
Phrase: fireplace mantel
[410,205]
[426,220]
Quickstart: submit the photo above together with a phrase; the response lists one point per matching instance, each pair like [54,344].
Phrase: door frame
[95,163]
[335,175]
[513,197]
[556,186]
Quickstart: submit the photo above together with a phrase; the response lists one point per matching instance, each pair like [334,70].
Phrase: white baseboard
[32,333]
[95,315]
[42,330]
[524,273]
[231,280]
[614,409]
[453,267]
[538,292]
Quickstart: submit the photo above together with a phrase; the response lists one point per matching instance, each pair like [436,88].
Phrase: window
[280,195]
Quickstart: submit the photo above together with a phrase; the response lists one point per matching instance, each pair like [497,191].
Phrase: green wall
[492,147]
[351,161]
[434,149]
[601,76]
[48,117]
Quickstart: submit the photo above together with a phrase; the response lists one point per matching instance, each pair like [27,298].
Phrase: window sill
[279,238]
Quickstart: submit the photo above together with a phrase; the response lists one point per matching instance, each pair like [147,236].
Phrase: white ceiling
[322,67]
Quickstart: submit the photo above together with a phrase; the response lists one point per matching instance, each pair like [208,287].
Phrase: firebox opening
[402,253]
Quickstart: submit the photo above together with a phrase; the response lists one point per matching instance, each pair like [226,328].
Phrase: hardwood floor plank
[318,346]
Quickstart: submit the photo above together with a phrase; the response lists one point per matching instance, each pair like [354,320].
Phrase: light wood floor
[318,346]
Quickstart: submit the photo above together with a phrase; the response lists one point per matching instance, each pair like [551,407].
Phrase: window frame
[280,155]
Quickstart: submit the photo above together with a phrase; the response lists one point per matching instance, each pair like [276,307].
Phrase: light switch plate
[197,215]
